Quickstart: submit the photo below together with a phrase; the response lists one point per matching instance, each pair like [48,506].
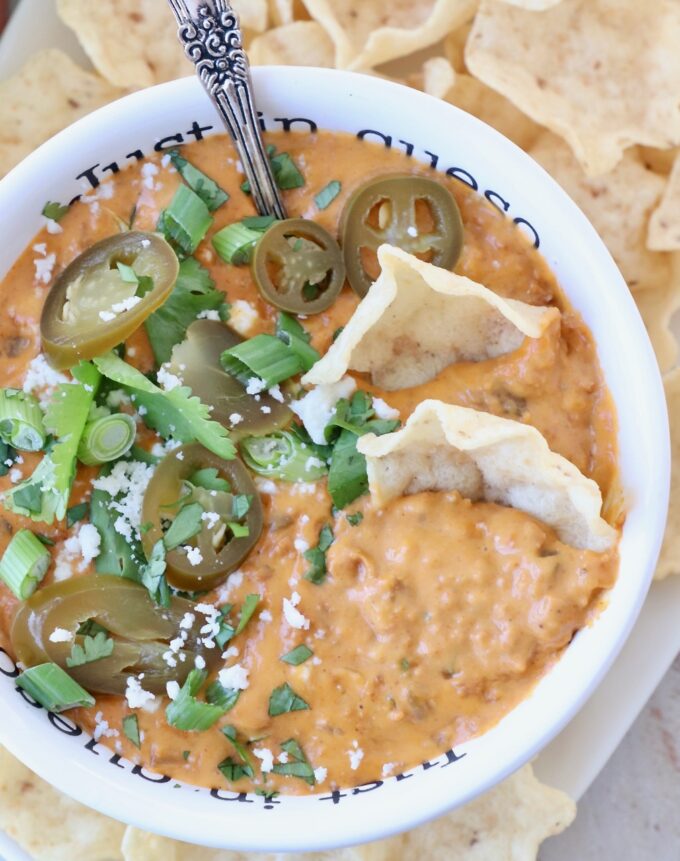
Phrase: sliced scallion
[186,221]
[187,713]
[53,688]
[283,455]
[235,243]
[293,335]
[205,187]
[21,420]
[226,698]
[263,356]
[209,479]
[107,438]
[286,173]
[24,564]
[328,194]
[247,610]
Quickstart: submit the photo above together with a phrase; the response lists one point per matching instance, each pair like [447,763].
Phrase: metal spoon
[212,40]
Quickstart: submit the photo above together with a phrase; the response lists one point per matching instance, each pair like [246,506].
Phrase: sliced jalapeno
[229,526]
[298,266]
[197,362]
[386,210]
[140,632]
[105,294]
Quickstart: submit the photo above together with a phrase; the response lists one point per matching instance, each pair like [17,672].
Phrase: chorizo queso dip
[295,505]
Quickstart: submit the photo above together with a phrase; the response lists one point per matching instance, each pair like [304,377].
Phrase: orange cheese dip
[438,615]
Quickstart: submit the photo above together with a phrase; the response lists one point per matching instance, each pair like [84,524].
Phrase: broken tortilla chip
[509,822]
[367,33]
[618,206]
[46,95]
[439,76]
[669,560]
[533,5]
[484,457]
[603,74]
[50,826]
[657,307]
[418,319]
[302,43]
[664,225]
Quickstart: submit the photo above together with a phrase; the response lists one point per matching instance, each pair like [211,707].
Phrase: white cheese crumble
[320,774]
[242,316]
[316,408]
[52,226]
[301,545]
[166,380]
[126,484]
[101,728]
[61,635]
[199,662]
[209,314]
[212,518]
[355,755]
[235,418]
[387,769]
[172,689]
[194,555]
[15,476]
[149,171]
[265,616]
[44,266]
[265,485]
[40,377]
[292,615]
[234,677]
[187,621]
[90,543]
[384,410]
[255,385]
[135,694]
[276,393]
[283,757]
[266,758]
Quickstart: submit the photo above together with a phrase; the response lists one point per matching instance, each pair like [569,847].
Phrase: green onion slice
[283,455]
[107,438]
[53,688]
[235,242]
[186,221]
[21,420]
[265,357]
[247,610]
[24,564]
[205,187]
[328,194]
[294,335]
[189,714]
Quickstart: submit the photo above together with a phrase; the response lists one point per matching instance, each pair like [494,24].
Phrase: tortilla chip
[657,307]
[533,5]
[508,822]
[445,447]
[454,45]
[286,11]
[439,76]
[659,160]
[46,95]
[367,33]
[481,101]
[664,225]
[49,825]
[418,319]
[603,74]
[618,205]
[669,560]
[302,43]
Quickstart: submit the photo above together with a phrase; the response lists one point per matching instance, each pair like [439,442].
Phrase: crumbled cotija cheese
[234,677]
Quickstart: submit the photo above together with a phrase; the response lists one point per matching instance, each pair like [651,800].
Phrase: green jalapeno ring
[401,192]
[307,256]
[168,486]
[93,305]
[140,631]
[196,360]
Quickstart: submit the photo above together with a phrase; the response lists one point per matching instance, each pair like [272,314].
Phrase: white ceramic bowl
[459,144]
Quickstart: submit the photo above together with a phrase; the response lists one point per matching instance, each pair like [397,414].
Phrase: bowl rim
[103,791]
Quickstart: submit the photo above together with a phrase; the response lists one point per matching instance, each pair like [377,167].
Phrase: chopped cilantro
[205,187]
[230,768]
[355,519]
[239,530]
[185,526]
[405,664]
[76,513]
[227,630]
[240,505]
[127,273]
[316,556]
[225,698]
[284,699]
[298,655]
[247,610]
[299,766]
[90,628]
[131,730]
[54,211]
[328,194]
[152,575]
[93,649]
[286,173]
[209,479]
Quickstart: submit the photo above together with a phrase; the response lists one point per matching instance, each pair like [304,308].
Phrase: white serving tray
[575,758]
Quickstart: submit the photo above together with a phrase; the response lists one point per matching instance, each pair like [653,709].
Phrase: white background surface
[632,811]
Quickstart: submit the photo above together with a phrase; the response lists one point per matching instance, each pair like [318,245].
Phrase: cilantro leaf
[76,513]
[247,610]
[175,414]
[284,699]
[152,575]
[54,211]
[131,730]
[208,479]
[297,656]
[316,556]
[299,766]
[93,649]
[225,698]
[193,293]
[44,495]
[185,526]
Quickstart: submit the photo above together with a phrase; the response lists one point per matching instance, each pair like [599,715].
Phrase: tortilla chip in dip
[45,96]
[618,205]
[49,825]
[418,319]
[483,457]
[508,822]
[664,225]
[367,33]
[603,74]
[301,43]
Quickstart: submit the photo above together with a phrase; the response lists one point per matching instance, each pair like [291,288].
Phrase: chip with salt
[45,96]
[302,43]
[603,74]
[669,560]
[618,205]
[664,225]
[657,306]
[509,822]
[418,319]
[50,826]
[484,457]
[367,33]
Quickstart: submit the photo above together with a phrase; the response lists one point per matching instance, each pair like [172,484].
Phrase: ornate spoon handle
[212,40]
